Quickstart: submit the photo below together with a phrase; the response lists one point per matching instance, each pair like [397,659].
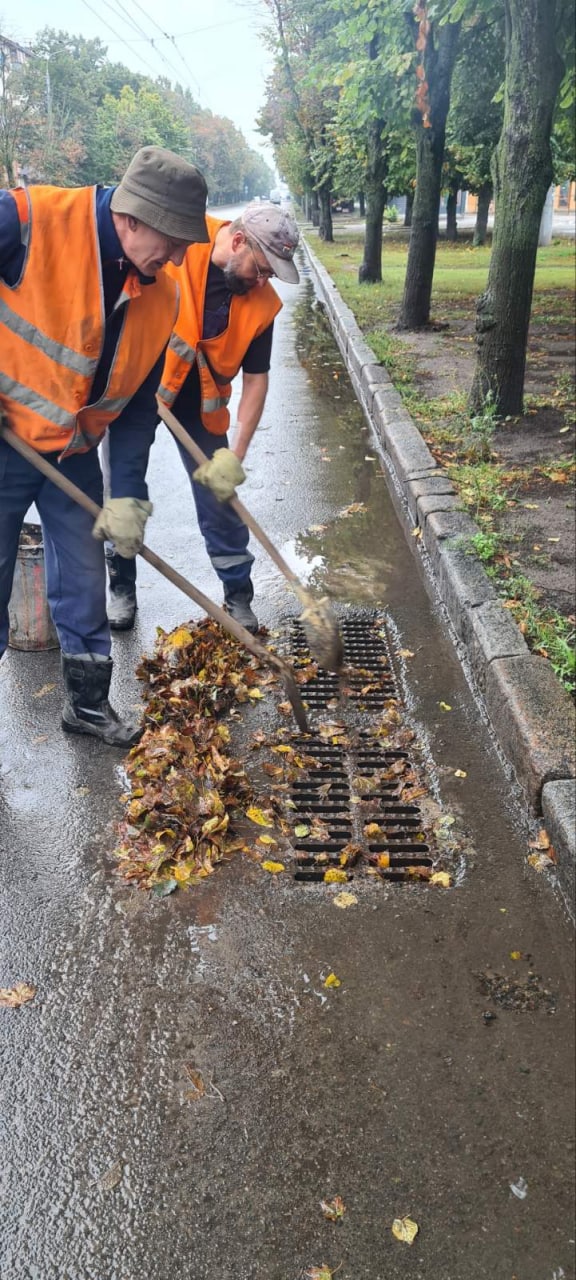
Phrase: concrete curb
[533,718]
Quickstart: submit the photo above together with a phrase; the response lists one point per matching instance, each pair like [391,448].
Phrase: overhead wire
[119,37]
[137,27]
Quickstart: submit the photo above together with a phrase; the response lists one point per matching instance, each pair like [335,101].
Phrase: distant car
[275,196]
[342,206]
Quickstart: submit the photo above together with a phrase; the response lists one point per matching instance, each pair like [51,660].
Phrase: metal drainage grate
[342,793]
[369,684]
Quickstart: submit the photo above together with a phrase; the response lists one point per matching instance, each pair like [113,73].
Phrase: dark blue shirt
[132,432]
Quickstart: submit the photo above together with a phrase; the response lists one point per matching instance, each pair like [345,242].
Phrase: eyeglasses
[262,273]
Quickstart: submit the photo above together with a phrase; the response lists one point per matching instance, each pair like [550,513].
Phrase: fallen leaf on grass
[345,899]
[405,1229]
[353,509]
[274,868]
[46,688]
[332,981]
[259,817]
[14,997]
[334,1209]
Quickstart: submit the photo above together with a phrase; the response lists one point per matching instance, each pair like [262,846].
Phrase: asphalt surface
[410,1090]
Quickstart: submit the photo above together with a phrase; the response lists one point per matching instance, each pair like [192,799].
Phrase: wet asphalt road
[393,1091]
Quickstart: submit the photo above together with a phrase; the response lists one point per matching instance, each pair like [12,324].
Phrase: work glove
[221,474]
[122,521]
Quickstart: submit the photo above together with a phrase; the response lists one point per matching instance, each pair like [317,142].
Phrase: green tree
[523,171]
[476,110]
[437,43]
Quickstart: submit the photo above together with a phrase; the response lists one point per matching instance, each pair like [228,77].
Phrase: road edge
[531,714]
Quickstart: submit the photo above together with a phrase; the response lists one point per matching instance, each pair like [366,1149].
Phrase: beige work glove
[221,474]
[122,521]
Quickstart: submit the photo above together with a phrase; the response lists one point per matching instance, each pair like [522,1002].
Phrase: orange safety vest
[219,358]
[52,326]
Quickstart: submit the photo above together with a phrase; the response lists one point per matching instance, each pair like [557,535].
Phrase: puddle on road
[347,556]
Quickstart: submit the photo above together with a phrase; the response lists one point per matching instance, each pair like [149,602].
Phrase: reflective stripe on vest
[52,326]
[62,355]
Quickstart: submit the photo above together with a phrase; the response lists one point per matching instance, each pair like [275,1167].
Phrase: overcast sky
[216,52]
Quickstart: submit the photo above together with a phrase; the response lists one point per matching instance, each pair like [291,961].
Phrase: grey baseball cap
[276,234]
[165,192]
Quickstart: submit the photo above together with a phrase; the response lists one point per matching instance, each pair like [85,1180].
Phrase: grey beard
[235,283]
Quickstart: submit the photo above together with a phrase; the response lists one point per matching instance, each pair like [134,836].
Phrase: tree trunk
[376,196]
[451,223]
[361,204]
[325,230]
[409,208]
[430,128]
[522,172]
[484,199]
[315,209]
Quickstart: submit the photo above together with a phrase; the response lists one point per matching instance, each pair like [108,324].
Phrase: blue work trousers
[73,559]
[225,534]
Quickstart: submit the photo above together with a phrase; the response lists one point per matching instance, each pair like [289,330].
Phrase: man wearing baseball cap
[225,323]
[86,311]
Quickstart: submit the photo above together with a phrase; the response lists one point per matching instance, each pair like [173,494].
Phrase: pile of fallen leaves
[185,788]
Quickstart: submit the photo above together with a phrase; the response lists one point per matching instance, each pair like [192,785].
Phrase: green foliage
[484,546]
[70,116]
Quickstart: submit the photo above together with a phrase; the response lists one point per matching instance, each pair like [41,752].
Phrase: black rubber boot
[87,709]
[122,607]
[122,604]
[237,604]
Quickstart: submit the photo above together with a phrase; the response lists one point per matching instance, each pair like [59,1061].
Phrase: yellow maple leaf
[178,638]
[258,816]
[442,878]
[383,860]
[273,867]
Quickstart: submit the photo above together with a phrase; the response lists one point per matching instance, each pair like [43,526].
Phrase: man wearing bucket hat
[225,323]
[86,311]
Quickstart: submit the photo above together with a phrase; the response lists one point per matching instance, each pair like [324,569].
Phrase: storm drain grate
[353,797]
[367,679]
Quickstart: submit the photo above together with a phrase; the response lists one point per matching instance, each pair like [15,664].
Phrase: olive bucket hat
[166,193]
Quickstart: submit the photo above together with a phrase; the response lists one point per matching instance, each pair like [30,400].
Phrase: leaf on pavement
[320,1273]
[274,868]
[46,688]
[405,1229]
[259,817]
[112,1177]
[332,981]
[345,899]
[334,1209]
[444,706]
[269,840]
[405,653]
[460,773]
[334,875]
[14,997]
[441,878]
